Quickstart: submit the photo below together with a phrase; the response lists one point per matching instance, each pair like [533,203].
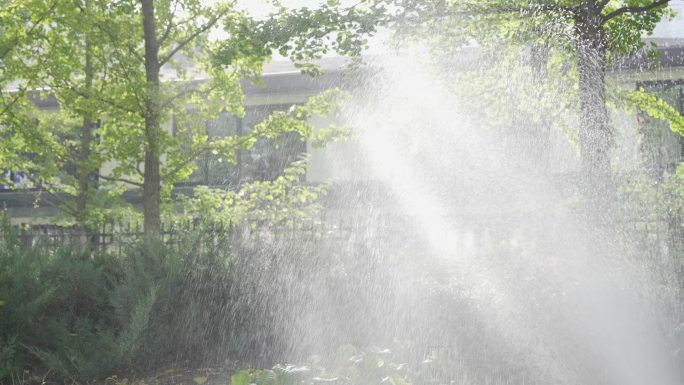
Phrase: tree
[120,72]
[34,58]
[100,59]
[603,30]
[176,35]
[594,32]
[68,59]
[241,53]
[23,23]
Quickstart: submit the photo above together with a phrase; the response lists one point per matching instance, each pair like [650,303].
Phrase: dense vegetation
[212,298]
[202,302]
[121,74]
[87,316]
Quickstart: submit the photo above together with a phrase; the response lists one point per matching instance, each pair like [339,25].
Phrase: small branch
[634,9]
[192,87]
[72,88]
[31,30]
[184,92]
[169,27]
[18,95]
[124,180]
[127,74]
[57,200]
[191,158]
[547,8]
[190,38]
[530,9]
[121,59]
[139,170]
[115,40]
[473,11]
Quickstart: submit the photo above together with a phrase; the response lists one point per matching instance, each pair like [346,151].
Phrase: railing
[115,237]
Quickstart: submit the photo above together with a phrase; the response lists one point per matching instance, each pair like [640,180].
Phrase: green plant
[57,312]
[8,357]
[373,366]
[87,315]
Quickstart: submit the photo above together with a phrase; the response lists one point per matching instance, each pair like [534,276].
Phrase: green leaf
[240,378]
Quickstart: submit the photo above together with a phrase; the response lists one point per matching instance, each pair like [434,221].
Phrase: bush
[56,309]
[88,315]
[210,298]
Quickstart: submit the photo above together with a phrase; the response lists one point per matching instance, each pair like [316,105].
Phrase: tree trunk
[84,170]
[595,134]
[152,177]
[540,150]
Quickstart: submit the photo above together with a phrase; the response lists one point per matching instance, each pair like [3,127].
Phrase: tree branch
[72,88]
[186,91]
[57,200]
[546,8]
[124,180]
[525,9]
[139,170]
[169,27]
[189,159]
[114,39]
[190,38]
[634,9]
[30,32]
[480,10]
[17,95]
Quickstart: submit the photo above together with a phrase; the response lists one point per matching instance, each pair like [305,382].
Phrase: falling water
[467,249]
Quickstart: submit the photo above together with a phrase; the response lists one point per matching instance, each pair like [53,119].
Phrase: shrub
[56,309]
[86,315]
[211,297]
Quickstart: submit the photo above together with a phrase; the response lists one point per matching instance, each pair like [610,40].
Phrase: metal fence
[115,237]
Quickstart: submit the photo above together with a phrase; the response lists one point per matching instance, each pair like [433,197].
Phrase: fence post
[24,237]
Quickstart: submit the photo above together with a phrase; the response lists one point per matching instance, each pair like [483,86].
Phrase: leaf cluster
[348,366]
[304,34]
[656,108]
